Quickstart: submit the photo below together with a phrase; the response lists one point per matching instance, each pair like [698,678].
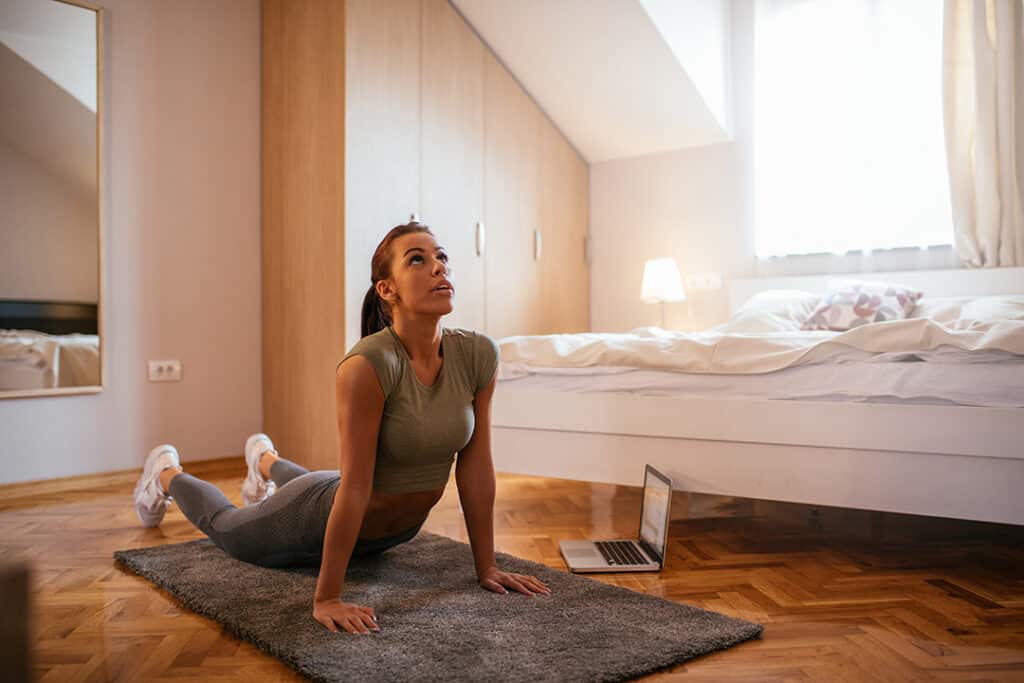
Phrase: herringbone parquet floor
[844,595]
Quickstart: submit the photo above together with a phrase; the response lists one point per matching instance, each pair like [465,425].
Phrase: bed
[48,344]
[937,432]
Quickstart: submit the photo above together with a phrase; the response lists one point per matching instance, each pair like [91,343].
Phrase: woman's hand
[351,617]
[495,580]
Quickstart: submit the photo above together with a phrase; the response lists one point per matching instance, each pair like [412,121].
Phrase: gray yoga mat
[437,623]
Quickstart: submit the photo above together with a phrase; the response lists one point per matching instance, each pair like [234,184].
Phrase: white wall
[56,38]
[182,249]
[49,234]
[681,204]
[693,204]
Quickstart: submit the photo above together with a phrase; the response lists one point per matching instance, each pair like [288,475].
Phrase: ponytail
[375,316]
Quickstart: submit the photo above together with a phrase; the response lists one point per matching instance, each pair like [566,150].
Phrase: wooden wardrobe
[375,110]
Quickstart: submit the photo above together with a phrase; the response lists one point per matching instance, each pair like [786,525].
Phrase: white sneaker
[151,501]
[255,488]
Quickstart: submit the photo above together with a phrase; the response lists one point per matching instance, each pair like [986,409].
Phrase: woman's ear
[386,292]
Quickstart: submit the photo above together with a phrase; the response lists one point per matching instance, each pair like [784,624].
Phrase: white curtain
[983,108]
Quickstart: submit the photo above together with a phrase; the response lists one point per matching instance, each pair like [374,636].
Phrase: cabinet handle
[586,250]
[536,245]
[480,238]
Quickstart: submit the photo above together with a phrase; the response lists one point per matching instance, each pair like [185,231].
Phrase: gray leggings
[283,530]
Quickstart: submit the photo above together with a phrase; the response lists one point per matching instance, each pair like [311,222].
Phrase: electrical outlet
[697,281]
[165,371]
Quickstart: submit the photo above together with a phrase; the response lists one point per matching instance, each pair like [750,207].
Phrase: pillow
[993,308]
[774,310]
[791,304]
[970,312]
[943,310]
[850,303]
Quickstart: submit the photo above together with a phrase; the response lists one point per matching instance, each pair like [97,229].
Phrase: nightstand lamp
[662,284]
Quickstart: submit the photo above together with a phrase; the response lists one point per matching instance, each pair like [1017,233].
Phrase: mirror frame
[100,206]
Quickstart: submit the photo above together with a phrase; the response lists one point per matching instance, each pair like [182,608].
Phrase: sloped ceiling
[48,78]
[56,38]
[620,78]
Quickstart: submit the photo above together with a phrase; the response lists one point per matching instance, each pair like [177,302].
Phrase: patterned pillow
[850,303]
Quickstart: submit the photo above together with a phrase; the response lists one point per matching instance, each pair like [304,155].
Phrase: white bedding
[34,360]
[995,384]
[963,351]
[732,350]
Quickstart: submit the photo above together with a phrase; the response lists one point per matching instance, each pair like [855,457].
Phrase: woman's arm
[360,401]
[474,476]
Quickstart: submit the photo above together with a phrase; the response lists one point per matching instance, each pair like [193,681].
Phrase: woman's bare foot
[267,459]
[166,476]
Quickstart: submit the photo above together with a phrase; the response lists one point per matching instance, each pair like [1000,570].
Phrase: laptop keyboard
[620,552]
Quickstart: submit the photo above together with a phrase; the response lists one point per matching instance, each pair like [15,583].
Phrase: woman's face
[419,265]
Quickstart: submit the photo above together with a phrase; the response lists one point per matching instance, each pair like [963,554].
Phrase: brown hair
[376,312]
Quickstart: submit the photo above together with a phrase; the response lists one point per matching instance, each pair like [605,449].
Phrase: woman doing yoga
[410,395]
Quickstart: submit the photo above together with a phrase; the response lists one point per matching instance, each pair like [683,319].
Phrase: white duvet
[66,360]
[733,348]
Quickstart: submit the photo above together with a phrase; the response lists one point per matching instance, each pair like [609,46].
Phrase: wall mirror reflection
[50,232]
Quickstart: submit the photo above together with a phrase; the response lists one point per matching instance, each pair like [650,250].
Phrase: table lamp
[661,284]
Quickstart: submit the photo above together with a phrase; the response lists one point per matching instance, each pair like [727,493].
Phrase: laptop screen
[654,515]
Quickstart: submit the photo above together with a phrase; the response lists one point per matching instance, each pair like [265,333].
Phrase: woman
[410,395]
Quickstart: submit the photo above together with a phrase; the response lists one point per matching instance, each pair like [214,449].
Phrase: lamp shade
[661,282]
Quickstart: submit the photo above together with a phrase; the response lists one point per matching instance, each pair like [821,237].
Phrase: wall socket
[165,371]
[696,281]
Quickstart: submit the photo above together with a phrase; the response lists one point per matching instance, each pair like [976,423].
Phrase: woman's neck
[422,341]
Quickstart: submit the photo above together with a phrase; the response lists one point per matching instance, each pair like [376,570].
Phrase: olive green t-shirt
[423,426]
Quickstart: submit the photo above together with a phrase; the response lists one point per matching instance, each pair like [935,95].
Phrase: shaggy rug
[437,623]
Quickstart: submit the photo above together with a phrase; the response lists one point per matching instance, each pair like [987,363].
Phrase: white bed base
[947,461]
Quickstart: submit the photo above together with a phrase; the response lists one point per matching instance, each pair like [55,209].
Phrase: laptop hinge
[650,551]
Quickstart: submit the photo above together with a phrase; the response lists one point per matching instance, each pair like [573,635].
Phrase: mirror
[50,232]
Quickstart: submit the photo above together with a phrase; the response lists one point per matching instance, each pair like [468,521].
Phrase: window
[849,151]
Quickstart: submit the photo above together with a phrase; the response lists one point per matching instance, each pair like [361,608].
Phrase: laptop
[644,554]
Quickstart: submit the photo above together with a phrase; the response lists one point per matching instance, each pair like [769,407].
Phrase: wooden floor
[844,595]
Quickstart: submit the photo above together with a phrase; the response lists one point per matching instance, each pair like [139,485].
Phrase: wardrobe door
[564,289]
[511,204]
[382,135]
[452,143]
[570,277]
[577,317]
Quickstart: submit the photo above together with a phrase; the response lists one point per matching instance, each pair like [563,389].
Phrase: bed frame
[948,461]
[51,317]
